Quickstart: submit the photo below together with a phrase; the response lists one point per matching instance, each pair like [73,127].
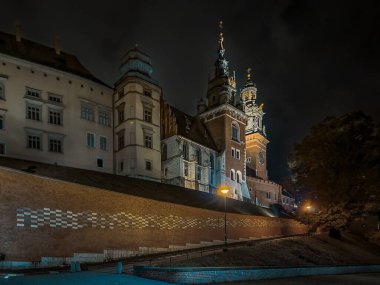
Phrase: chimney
[56,46]
[18,31]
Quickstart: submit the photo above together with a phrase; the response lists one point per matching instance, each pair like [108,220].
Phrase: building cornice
[235,112]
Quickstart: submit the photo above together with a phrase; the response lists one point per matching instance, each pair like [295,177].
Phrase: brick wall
[41,216]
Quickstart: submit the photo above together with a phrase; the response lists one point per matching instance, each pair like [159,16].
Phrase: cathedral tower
[255,135]
[225,121]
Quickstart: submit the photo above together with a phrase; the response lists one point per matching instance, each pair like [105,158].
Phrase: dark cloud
[310,58]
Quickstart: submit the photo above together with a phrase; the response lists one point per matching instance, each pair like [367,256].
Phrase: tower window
[198,154]
[185,151]
[148,140]
[120,113]
[186,168]
[1,122]
[33,93]
[233,152]
[212,162]
[235,131]
[237,154]
[147,114]
[148,165]
[104,118]
[199,173]
[232,175]
[238,176]
[120,138]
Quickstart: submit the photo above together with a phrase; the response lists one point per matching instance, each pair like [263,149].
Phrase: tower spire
[221,64]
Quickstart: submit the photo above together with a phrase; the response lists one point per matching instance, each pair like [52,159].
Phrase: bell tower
[255,135]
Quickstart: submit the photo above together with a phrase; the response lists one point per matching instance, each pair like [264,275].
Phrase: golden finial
[249,70]
[221,39]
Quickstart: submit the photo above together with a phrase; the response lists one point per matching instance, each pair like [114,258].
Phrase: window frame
[87,112]
[30,91]
[4,148]
[150,163]
[99,159]
[60,117]
[103,145]
[121,140]
[2,91]
[30,112]
[60,145]
[2,122]
[185,151]
[88,134]
[28,142]
[237,154]
[233,151]
[104,118]
[147,114]
[235,125]
[148,140]
[232,175]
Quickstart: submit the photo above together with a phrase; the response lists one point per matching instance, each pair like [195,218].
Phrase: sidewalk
[79,278]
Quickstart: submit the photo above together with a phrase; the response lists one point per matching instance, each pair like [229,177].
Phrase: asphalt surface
[346,279]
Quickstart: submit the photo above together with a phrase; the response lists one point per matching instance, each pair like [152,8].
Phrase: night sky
[310,59]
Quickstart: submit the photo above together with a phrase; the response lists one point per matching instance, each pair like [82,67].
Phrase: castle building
[52,109]
[137,119]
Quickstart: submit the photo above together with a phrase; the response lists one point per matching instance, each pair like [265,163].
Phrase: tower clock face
[261,158]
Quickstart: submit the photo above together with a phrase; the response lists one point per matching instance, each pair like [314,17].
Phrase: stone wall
[42,217]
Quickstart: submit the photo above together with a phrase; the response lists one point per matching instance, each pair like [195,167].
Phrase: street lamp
[225,192]
[308,207]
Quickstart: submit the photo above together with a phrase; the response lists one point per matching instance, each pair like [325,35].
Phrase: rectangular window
[87,112]
[34,142]
[2,149]
[148,140]
[90,139]
[237,154]
[103,143]
[120,93]
[199,173]
[55,98]
[186,169]
[269,195]
[121,166]
[33,112]
[104,118]
[147,93]
[1,122]
[55,145]
[33,93]
[2,91]
[55,117]
[148,165]
[121,115]
[120,138]
[233,152]
[99,162]
[148,115]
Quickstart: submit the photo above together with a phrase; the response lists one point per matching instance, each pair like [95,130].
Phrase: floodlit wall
[43,217]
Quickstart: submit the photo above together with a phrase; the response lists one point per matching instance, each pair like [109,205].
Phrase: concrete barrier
[204,275]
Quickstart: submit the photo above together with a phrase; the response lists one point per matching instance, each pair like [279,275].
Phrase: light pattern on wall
[55,218]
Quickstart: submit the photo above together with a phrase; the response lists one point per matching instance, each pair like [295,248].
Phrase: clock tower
[255,135]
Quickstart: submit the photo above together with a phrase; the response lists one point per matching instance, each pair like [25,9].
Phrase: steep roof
[193,129]
[44,55]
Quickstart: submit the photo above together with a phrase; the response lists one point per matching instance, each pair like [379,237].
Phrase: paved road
[347,279]
[80,278]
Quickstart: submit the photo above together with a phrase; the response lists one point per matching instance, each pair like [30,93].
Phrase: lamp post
[225,191]
[308,207]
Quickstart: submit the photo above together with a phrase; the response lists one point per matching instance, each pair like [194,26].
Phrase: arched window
[2,91]
[164,152]
[235,131]
[238,176]
[185,151]
[232,173]
[198,154]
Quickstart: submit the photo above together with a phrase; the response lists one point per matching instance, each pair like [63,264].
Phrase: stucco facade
[54,116]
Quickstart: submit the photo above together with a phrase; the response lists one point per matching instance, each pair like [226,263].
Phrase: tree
[338,161]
